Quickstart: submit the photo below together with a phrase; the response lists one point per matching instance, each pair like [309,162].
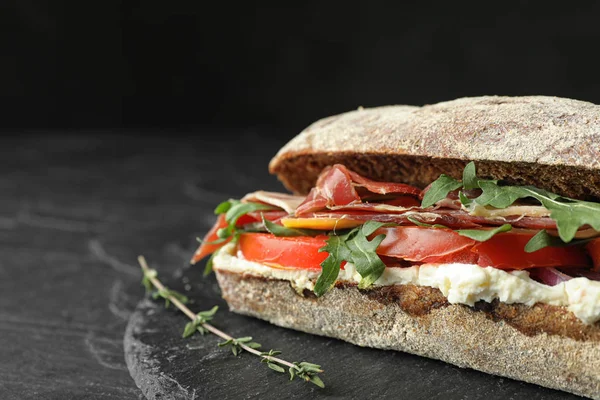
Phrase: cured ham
[336,186]
[382,187]
[455,219]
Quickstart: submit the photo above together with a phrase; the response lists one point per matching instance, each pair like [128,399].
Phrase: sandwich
[466,231]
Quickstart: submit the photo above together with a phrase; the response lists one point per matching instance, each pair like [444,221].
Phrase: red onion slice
[549,276]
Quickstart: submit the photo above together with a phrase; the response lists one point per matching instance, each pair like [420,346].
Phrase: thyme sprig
[168,294]
[199,323]
[236,344]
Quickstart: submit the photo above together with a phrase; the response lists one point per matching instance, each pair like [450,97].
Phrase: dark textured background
[190,63]
[124,123]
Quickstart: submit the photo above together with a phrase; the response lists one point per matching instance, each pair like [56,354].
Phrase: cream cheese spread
[459,283]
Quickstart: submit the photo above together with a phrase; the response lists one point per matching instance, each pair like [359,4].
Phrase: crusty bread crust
[460,335]
[549,142]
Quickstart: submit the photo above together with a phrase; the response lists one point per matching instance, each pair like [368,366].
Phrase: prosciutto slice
[335,196]
[336,186]
[455,219]
[382,187]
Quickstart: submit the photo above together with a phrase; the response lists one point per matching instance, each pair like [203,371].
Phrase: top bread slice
[549,142]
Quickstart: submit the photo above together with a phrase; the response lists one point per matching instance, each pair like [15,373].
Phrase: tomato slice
[410,243]
[421,244]
[206,247]
[507,251]
[300,252]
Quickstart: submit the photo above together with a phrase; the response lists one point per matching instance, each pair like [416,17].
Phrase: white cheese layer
[460,283]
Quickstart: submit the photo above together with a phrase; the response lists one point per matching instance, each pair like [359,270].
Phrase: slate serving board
[166,366]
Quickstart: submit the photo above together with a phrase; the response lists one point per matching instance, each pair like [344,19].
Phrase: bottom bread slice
[504,340]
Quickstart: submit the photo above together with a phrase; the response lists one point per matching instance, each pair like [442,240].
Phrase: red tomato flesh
[507,251]
[206,247]
[412,243]
[283,252]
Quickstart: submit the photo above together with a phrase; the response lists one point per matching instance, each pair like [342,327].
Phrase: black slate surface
[75,211]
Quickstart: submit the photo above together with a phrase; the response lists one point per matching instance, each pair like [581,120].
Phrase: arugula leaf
[352,247]
[481,235]
[464,200]
[209,265]
[439,189]
[499,196]
[469,179]
[569,214]
[369,227]
[544,239]
[237,210]
[367,262]
[282,231]
[338,252]
[223,207]
[233,210]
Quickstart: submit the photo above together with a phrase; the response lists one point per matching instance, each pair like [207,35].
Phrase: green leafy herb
[363,256]
[275,367]
[338,252]
[481,235]
[439,190]
[267,356]
[308,372]
[197,325]
[282,231]
[464,200]
[200,323]
[236,344]
[216,241]
[352,247]
[569,214]
[544,239]
[149,274]
[233,210]
[223,207]
[169,294]
[540,240]
[469,180]
[238,209]
[209,265]
[499,196]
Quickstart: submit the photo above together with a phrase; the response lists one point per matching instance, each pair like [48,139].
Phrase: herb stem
[183,308]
